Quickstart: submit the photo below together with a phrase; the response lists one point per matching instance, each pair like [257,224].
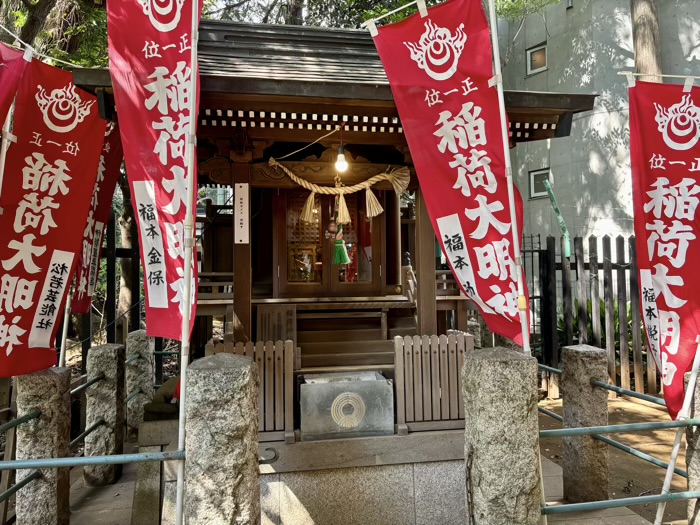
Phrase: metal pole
[612,429]
[682,415]
[189,245]
[118,459]
[629,393]
[626,502]
[64,332]
[620,446]
[522,303]
[19,485]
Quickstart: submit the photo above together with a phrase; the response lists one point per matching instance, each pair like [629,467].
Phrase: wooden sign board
[241,216]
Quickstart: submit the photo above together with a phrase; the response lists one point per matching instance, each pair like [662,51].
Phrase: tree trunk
[295,12]
[645,32]
[36,17]
[126,292]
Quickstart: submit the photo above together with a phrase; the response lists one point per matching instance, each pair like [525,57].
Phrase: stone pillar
[105,401]
[585,459]
[139,378]
[692,456]
[222,472]
[501,437]
[45,500]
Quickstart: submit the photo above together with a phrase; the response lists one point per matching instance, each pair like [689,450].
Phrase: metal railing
[79,439]
[18,421]
[612,388]
[77,390]
[621,446]
[133,359]
[625,502]
[596,432]
[118,459]
[34,474]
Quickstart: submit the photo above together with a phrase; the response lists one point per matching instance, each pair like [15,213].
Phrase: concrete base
[420,494]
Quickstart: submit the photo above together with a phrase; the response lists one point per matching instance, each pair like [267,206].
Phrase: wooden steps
[320,336]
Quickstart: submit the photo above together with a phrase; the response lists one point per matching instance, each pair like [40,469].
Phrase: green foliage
[516,10]
[561,331]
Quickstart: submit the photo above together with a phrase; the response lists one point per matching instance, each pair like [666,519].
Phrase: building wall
[587,45]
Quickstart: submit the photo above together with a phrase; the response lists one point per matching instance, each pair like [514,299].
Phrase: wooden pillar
[111,299]
[425,258]
[393,244]
[135,311]
[242,262]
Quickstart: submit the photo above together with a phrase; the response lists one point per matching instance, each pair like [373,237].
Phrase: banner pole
[683,414]
[189,246]
[522,302]
[5,144]
[64,332]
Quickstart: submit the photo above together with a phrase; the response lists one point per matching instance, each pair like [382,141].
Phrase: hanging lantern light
[341,165]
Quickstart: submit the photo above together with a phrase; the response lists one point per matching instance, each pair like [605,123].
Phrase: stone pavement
[554,491]
[111,505]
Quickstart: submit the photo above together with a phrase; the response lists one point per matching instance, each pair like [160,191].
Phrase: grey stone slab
[105,402]
[146,505]
[501,446]
[223,484]
[44,501]
[585,459]
[440,493]
[270,490]
[354,496]
[168,513]
[139,377]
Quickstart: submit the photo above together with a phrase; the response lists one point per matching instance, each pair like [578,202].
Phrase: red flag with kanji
[13,63]
[100,209]
[150,63]
[439,68]
[665,155]
[49,176]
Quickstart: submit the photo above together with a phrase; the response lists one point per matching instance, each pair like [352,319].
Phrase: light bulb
[341,164]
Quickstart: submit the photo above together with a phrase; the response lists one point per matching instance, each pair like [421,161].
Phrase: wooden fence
[610,320]
[428,381]
[276,393]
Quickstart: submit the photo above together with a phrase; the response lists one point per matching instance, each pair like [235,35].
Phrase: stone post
[139,378]
[222,472]
[585,459]
[105,402]
[501,437]
[692,456]
[44,501]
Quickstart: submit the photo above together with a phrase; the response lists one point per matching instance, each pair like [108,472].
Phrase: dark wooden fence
[575,311]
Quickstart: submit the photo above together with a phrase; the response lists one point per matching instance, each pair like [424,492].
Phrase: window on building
[537,179]
[537,59]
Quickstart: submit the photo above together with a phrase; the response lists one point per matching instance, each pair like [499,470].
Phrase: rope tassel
[343,212]
[307,212]
[373,207]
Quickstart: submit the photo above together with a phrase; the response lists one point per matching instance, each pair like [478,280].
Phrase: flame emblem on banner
[164,14]
[679,124]
[63,109]
[438,51]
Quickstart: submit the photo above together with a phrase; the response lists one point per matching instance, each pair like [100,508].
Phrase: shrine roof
[281,65]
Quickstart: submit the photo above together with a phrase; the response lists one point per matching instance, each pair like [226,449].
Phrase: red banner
[12,67]
[665,154]
[51,171]
[439,69]
[100,208]
[149,49]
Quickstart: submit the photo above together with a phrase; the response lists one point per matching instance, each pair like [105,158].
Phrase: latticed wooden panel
[304,248]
